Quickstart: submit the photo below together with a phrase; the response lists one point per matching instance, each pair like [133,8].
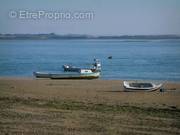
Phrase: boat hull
[75,76]
[42,75]
[67,75]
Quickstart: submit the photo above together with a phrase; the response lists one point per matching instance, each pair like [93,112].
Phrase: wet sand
[44,106]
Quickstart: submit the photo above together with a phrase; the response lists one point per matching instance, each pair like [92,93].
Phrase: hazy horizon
[108,17]
[76,34]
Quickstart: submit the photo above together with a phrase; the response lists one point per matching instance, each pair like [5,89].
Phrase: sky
[108,17]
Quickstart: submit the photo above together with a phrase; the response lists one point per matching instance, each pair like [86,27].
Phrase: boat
[141,86]
[82,74]
[72,72]
[110,57]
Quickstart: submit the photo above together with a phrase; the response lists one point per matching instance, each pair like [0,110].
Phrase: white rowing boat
[141,86]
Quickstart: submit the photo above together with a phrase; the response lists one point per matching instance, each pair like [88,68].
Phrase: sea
[131,59]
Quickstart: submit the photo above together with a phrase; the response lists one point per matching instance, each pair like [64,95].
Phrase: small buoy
[110,57]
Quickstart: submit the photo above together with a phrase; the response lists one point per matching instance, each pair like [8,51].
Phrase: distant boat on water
[140,86]
[110,57]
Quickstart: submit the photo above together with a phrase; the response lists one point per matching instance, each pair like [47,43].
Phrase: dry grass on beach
[86,107]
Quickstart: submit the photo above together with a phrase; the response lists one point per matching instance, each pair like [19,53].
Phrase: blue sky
[111,17]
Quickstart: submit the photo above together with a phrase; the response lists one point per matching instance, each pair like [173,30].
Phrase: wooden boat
[140,86]
[82,74]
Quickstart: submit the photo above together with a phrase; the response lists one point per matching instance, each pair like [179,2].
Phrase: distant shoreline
[77,36]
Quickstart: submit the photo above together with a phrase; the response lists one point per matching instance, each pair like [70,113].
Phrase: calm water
[152,60]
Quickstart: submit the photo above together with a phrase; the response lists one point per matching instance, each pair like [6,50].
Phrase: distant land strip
[79,36]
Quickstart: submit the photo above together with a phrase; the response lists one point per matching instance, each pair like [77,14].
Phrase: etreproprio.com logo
[51,15]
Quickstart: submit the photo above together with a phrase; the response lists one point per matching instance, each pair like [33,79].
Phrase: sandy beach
[44,106]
